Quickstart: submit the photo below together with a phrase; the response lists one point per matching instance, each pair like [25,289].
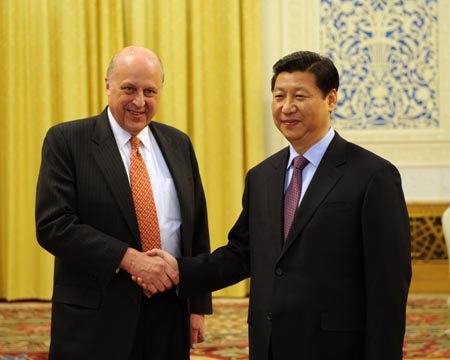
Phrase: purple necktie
[293,192]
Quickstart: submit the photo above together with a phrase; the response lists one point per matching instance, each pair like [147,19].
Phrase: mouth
[290,122]
[137,116]
[136,113]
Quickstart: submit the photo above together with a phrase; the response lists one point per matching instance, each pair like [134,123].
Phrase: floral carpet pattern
[25,327]
[427,328]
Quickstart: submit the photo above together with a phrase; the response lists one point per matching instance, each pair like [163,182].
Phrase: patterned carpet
[25,326]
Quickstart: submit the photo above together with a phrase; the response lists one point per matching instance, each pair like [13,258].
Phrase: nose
[139,100]
[288,106]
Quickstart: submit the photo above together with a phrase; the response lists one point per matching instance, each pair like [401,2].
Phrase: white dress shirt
[163,187]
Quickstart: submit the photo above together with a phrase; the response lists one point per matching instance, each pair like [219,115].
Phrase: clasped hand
[157,273]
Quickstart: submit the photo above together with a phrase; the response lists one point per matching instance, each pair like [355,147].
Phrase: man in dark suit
[334,286]
[85,217]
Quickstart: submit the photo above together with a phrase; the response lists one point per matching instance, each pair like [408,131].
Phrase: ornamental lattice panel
[427,238]
[387,56]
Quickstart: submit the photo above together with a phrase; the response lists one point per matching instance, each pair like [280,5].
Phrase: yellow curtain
[53,56]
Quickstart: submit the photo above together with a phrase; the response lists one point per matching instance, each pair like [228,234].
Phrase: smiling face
[300,110]
[133,86]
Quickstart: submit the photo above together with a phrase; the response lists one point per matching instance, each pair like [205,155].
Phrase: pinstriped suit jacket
[85,217]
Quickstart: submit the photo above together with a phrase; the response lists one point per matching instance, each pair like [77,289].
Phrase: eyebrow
[128,83]
[300,88]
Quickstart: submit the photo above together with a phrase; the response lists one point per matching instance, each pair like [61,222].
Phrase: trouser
[162,332]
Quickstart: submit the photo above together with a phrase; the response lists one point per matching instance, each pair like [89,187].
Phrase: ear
[332,100]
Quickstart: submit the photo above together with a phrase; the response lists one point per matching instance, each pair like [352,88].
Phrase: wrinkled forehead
[143,73]
[135,59]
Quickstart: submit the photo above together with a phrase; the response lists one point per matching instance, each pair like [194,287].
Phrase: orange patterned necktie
[144,204]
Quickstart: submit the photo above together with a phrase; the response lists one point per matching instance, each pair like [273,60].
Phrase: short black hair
[327,76]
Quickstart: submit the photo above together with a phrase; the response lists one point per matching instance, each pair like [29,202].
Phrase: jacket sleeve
[58,225]
[200,303]
[386,241]
[226,266]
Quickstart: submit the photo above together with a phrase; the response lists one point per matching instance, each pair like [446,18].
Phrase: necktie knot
[134,140]
[300,162]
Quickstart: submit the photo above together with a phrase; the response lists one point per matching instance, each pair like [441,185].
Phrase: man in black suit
[334,286]
[85,217]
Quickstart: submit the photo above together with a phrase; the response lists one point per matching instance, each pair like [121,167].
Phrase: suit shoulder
[366,161]
[167,133]
[358,152]
[167,129]
[273,161]
[76,133]
[74,125]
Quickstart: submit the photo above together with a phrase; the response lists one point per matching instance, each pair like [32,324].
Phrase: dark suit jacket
[337,288]
[85,217]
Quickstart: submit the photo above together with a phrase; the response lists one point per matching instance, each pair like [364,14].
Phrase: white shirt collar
[122,136]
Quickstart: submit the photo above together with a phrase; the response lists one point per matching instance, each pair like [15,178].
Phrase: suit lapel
[326,177]
[170,153]
[275,196]
[110,162]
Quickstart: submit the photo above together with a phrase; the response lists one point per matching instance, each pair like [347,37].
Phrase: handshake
[155,270]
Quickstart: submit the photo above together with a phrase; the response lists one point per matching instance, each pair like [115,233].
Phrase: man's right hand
[152,272]
[169,258]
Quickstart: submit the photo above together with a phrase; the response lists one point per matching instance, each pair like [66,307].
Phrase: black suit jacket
[85,217]
[337,288]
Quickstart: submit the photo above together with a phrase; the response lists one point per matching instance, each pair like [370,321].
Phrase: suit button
[279,271]
[269,316]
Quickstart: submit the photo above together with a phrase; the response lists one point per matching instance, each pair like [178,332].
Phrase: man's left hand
[197,329]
